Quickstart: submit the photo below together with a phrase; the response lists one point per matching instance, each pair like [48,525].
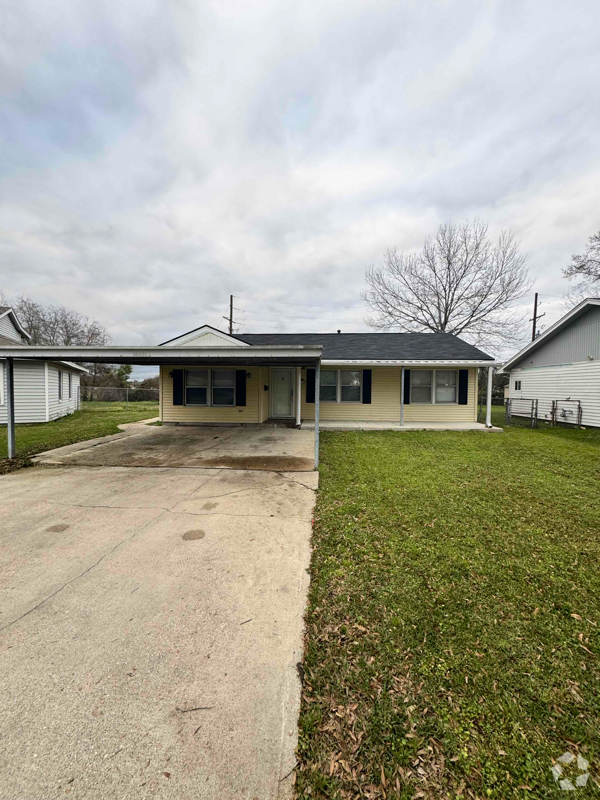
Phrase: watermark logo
[568,768]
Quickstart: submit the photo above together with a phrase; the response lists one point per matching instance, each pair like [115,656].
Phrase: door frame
[292,414]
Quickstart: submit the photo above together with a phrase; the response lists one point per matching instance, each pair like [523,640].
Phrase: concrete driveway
[188,446]
[151,623]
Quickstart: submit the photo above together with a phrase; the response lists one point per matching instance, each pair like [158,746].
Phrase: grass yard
[452,644]
[94,419]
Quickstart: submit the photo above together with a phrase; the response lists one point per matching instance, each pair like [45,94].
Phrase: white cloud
[155,158]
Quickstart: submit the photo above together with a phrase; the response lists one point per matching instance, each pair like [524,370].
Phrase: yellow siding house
[363,377]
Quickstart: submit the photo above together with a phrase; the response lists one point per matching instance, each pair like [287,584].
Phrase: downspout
[317,409]
[298,396]
[488,402]
[402,398]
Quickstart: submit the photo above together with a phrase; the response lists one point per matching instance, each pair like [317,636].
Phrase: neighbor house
[44,390]
[382,377]
[560,369]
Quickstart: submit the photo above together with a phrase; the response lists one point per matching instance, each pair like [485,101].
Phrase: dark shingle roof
[377,346]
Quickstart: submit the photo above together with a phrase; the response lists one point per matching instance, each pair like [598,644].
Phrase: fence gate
[524,408]
[530,410]
[569,411]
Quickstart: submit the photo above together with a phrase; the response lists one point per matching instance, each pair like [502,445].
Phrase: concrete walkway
[151,623]
[345,425]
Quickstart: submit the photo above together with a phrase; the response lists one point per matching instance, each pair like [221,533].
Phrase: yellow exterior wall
[384,406]
[171,413]
[385,399]
[440,412]
[263,397]
[385,402]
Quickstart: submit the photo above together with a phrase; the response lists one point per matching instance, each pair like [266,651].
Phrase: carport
[296,356]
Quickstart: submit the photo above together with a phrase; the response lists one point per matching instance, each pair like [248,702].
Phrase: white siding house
[562,367]
[44,390]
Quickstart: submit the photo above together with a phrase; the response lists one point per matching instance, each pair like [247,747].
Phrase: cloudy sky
[157,157]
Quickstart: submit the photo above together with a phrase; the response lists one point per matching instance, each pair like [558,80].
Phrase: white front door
[282,392]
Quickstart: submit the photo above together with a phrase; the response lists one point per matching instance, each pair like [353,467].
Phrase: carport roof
[112,354]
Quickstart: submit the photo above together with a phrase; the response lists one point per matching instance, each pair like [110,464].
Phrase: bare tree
[460,283]
[586,265]
[57,325]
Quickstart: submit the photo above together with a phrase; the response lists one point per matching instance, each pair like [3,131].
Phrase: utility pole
[535,317]
[231,313]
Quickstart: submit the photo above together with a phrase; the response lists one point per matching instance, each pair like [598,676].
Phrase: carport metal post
[10,407]
[317,409]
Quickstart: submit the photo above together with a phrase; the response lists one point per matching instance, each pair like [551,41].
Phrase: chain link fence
[118,394]
[531,411]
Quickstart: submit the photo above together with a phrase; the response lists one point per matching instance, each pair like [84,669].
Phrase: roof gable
[564,322]
[9,323]
[205,336]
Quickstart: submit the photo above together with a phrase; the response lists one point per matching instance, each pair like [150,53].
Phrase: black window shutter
[240,387]
[177,387]
[406,387]
[310,386]
[367,374]
[463,387]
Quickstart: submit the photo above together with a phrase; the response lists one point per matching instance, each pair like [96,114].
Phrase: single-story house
[210,377]
[560,369]
[393,377]
[44,390]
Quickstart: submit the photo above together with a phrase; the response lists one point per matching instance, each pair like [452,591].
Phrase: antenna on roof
[339,331]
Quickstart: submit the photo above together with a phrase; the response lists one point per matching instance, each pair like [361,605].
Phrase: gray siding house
[44,390]
[562,366]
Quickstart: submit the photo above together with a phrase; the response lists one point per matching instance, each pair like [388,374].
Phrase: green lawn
[452,645]
[94,419]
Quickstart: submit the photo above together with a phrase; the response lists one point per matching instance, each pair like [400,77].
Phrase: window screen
[328,391]
[223,387]
[351,381]
[420,386]
[445,386]
[196,387]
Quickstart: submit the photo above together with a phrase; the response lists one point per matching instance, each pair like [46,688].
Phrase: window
[517,386]
[328,390]
[196,387]
[223,387]
[60,385]
[70,385]
[445,386]
[341,386]
[350,382]
[420,386]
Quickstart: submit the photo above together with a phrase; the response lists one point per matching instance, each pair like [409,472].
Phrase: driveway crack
[85,571]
